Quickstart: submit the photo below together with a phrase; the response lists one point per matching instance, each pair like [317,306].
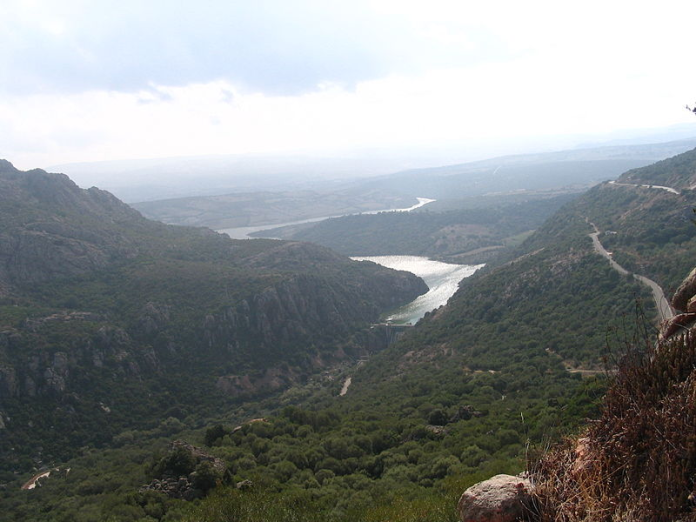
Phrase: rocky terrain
[101,308]
[513,365]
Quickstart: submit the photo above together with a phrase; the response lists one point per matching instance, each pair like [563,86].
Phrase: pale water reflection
[442,280]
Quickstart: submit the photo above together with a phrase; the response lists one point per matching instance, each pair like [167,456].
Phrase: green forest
[520,357]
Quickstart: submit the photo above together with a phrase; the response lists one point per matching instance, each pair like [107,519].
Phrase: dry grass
[638,462]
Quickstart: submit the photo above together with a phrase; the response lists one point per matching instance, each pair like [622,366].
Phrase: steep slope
[508,364]
[676,172]
[646,217]
[110,320]
[637,462]
[500,366]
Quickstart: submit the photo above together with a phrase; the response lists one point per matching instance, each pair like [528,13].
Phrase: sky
[94,80]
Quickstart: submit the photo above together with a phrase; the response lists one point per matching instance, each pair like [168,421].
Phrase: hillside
[515,360]
[645,218]
[637,461]
[582,167]
[500,366]
[259,202]
[109,320]
[246,209]
[473,234]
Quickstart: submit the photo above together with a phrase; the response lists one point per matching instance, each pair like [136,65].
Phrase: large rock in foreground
[502,498]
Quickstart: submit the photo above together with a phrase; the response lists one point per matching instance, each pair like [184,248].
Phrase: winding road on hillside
[661,302]
[658,187]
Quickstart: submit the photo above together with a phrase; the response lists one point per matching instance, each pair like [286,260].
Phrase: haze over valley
[351,262]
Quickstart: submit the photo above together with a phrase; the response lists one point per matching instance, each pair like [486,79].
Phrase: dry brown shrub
[638,462]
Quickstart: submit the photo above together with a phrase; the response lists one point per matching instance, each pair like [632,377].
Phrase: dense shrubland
[473,390]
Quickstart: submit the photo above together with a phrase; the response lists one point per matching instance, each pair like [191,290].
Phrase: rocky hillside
[645,218]
[516,359]
[109,320]
[637,462]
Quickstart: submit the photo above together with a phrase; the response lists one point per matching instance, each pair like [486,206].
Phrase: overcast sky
[99,79]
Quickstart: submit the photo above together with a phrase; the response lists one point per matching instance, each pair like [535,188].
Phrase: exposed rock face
[186,472]
[33,369]
[52,228]
[297,309]
[684,301]
[684,293]
[96,297]
[502,498]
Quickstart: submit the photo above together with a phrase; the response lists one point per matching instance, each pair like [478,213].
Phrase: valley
[367,261]
[121,336]
[442,279]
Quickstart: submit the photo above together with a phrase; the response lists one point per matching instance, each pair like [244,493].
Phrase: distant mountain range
[571,170]
[167,178]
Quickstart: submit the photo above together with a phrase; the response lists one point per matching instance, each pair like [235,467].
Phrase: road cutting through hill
[663,307]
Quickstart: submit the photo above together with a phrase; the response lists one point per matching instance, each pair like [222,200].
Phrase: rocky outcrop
[52,228]
[32,368]
[502,498]
[186,472]
[269,380]
[685,293]
[108,300]
[302,310]
[684,302]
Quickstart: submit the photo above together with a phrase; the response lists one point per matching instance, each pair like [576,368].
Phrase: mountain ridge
[98,298]
[517,358]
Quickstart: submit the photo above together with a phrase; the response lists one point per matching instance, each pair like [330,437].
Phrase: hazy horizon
[163,79]
[140,180]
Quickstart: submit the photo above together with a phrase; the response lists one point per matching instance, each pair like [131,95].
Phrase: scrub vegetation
[519,359]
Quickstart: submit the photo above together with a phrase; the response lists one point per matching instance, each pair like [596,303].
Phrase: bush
[639,460]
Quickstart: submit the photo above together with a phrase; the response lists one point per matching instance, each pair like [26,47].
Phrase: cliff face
[97,302]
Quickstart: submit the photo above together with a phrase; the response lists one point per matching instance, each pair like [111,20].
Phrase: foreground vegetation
[638,461]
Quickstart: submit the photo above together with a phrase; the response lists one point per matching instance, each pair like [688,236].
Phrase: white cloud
[441,72]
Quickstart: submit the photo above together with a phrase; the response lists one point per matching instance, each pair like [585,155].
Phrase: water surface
[442,280]
[244,232]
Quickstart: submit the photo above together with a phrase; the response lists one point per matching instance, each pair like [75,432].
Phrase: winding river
[244,232]
[442,280]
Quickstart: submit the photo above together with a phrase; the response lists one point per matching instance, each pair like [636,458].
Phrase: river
[243,232]
[442,280]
